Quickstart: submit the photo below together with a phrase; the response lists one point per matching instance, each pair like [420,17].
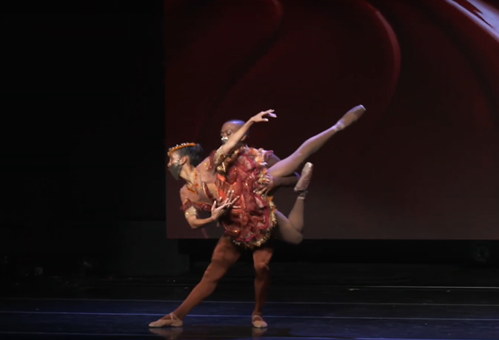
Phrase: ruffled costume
[251,221]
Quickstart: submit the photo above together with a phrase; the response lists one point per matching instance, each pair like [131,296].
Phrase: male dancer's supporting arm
[276,182]
[237,136]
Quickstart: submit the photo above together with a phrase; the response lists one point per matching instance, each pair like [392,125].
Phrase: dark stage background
[83,124]
[83,127]
[423,163]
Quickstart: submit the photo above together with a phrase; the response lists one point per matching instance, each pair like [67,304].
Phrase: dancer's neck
[188,174]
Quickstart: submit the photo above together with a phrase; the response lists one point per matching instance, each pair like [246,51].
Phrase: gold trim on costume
[267,233]
[223,162]
[191,212]
[219,156]
[264,179]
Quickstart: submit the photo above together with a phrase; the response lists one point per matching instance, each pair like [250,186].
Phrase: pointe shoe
[306,177]
[170,320]
[351,117]
[258,321]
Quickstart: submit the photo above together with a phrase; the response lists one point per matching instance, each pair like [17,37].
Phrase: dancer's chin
[175,171]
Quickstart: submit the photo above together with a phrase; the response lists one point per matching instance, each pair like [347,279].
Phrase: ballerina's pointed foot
[170,320]
[305,179]
[351,116]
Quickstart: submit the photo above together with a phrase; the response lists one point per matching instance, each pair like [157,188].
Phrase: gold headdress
[178,147]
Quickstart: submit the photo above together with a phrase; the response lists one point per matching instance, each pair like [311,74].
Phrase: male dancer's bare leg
[224,256]
[261,261]
[289,165]
[290,229]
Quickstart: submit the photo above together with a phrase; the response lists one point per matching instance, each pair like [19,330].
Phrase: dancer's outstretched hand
[219,209]
[263,116]
[217,212]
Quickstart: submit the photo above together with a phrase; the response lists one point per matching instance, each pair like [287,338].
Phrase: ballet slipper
[170,320]
[258,321]
[304,181]
[350,117]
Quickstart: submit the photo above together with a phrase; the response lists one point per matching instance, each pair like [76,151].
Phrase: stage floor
[293,313]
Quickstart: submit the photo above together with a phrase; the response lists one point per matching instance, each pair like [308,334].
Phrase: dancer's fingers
[267,114]
[224,207]
[260,191]
[234,200]
[228,199]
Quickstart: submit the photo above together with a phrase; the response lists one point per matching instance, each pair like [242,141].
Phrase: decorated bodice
[252,218]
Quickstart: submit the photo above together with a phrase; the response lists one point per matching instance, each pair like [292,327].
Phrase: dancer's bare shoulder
[184,193]
[205,165]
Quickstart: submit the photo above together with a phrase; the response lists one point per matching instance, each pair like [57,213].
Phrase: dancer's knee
[261,267]
[296,239]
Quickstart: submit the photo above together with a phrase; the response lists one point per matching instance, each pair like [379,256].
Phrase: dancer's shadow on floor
[227,333]
[210,332]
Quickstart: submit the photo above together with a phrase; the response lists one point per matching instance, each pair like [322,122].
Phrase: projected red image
[421,163]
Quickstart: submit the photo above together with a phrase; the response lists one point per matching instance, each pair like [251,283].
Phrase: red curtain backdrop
[423,163]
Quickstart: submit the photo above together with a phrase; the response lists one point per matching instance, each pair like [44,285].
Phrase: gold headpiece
[178,147]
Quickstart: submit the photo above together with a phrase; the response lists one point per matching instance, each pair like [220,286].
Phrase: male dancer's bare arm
[236,137]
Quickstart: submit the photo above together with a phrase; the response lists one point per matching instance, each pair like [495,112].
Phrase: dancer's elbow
[193,222]
[196,223]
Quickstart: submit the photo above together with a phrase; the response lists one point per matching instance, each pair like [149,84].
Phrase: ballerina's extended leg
[289,165]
